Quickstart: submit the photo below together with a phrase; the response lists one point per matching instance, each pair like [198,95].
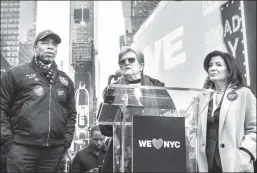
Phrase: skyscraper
[10,20]
[135,13]
[140,11]
[81,31]
[122,41]
[82,61]
[31,35]
[18,19]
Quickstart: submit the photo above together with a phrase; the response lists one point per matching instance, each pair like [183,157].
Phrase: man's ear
[142,65]
[35,48]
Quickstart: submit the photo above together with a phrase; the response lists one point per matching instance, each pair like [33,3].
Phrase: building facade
[31,34]
[10,22]
[4,65]
[82,51]
[18,27]
[122,41]
[135,13]
[26,52]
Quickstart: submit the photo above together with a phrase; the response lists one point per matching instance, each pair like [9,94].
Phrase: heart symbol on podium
[157,143]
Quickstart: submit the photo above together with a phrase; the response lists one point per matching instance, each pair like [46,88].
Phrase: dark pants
[215,168]
[3,163]
[27,158]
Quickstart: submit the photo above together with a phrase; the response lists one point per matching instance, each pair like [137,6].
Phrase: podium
[154,128]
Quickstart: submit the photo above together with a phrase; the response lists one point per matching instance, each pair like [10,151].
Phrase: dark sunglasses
[130,60]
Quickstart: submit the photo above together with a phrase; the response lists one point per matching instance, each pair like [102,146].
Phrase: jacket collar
[223,110]
[144,81]
[38,69]
[34,64]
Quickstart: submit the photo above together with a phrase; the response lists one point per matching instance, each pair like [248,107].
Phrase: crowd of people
[38,115]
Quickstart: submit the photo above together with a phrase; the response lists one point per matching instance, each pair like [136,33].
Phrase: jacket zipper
[49,116]
[49,112]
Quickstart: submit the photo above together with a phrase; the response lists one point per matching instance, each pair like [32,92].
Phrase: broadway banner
[233,21]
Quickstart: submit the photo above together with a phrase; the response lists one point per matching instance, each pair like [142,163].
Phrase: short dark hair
[234,74]
[93,129]
[139,54]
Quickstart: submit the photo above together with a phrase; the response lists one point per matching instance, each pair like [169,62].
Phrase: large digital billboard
[178,35]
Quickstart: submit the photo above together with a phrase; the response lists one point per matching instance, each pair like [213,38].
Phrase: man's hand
[66,157]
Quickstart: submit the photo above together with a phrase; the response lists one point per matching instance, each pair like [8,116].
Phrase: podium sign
[159,144]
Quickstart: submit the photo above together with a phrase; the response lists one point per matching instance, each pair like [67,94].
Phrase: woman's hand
[243,162]
[246,157]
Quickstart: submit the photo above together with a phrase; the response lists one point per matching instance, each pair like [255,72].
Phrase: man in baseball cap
[45,47]
[38,129]
[48,33]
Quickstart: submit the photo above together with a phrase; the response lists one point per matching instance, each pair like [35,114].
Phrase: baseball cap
[47,33]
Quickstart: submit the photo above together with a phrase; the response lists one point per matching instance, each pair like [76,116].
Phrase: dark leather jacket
[35,112]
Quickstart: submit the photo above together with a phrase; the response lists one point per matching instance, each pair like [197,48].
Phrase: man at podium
[131,63]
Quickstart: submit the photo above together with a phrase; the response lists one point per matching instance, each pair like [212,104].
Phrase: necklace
[219,92]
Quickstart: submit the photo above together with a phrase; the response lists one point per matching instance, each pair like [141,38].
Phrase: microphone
[118,73]
[204,107]
[115,76]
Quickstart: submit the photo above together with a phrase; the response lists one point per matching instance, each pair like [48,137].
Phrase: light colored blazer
[237,128]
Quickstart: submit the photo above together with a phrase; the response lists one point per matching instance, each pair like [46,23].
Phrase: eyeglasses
[48,43]
[130,60]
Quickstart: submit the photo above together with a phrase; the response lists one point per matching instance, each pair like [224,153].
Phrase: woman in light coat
[227,118]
